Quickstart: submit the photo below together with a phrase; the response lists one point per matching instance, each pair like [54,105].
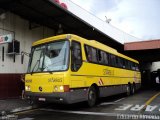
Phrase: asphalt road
[142,105]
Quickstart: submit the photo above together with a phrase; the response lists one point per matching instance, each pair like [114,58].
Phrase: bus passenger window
[112,60]
[94,55]
[106,58]
[88,51]
[128,66]
[76,56]
[124,63]
[136,67]
[100,56]
[120,62]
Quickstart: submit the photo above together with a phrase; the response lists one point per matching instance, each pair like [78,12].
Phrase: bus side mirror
[22,56]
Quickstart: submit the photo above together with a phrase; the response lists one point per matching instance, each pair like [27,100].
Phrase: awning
[52,15]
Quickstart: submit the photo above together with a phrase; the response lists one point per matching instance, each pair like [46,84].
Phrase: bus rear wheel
[92,96]
[128,90]
[132,89]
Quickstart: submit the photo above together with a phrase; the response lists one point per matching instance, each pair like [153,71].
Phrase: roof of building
[142,45]
[51,14]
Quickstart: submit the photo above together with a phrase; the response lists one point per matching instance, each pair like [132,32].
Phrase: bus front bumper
[64,97]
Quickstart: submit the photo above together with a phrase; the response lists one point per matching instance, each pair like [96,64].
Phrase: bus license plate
[42,99]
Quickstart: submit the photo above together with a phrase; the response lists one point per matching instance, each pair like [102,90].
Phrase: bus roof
[93,43]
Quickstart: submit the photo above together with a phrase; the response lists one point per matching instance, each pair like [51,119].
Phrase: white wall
[26,37]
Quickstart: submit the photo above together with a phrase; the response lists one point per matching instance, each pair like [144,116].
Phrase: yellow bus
[69,69]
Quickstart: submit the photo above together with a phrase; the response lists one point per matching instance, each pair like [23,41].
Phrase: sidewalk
[14,105]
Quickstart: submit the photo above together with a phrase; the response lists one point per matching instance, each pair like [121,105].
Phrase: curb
[22,109]
[10,115]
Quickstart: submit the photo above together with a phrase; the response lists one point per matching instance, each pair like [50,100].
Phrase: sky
[139,18]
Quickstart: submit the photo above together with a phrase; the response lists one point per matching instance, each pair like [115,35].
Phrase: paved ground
[10,105]
[142,105]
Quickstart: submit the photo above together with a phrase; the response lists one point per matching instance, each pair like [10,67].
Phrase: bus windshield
[49,57]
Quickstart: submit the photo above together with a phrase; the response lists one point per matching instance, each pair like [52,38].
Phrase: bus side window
[136,67]
[88,51]
[124,63]
[112,60]
[94,55]
[106,58]
[120,62]
[130,65]
[100,56]
[127,65]
[76,60]
[91,54]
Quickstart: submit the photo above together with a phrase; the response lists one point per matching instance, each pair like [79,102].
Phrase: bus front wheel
[92,96]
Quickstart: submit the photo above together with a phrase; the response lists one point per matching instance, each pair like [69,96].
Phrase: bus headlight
[55,88]
[61,88]
[28,88]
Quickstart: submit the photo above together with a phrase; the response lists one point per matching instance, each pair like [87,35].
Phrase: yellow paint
[151,99]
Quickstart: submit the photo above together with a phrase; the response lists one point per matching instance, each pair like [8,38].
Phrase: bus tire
[128,90]
[31,102]
[92,96]
[133,89]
